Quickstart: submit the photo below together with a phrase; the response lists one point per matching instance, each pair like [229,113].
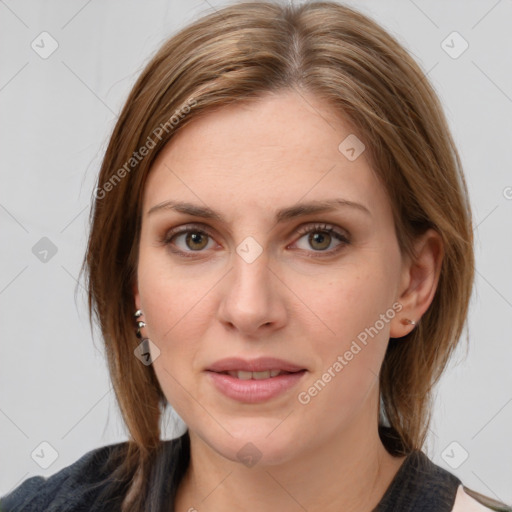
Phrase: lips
[256,380]
[260,368]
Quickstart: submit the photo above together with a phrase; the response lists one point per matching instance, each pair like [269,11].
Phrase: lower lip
[255,390]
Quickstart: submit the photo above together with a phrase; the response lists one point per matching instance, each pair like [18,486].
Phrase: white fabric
[465,503]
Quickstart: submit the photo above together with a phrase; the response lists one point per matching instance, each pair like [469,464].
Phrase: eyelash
[196,228]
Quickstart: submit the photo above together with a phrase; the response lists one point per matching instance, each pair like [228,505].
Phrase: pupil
[196,238]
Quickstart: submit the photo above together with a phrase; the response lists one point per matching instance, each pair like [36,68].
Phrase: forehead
[271,152]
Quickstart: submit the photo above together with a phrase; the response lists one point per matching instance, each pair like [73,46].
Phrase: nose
[253,297]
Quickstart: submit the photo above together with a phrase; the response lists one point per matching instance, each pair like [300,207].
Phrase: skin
[245,162]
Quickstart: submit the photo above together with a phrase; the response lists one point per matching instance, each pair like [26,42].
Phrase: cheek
[172,297]
[168,305]
[172,309]
[350,300]
[356,307]
[351,356]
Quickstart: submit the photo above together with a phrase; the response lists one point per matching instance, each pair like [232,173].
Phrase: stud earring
[406,321]
[140,324]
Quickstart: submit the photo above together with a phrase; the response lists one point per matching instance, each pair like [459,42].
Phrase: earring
[146,351]
[140,324]
[406,321]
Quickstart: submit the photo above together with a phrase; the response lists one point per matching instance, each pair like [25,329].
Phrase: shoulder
[74,486]
[420,485]
[467,500]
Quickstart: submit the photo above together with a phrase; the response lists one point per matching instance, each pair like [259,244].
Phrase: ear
[419,280]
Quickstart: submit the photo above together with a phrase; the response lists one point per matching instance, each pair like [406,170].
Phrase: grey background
[56,115]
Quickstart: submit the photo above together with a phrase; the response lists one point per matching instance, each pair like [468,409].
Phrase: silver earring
[140,324]
[406,321]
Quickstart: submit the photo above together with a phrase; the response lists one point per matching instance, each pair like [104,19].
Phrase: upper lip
[259,364]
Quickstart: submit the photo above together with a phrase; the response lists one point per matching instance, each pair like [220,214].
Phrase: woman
[280,249]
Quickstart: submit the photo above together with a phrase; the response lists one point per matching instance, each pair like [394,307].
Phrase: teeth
[242,375]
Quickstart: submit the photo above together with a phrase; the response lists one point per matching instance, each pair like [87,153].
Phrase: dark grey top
[418,486]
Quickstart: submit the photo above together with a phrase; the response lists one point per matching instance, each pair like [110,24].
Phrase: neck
[349,470]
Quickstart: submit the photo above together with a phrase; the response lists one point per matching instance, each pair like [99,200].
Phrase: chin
[254,446]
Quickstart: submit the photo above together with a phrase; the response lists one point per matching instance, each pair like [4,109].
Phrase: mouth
[259,368]
[256,380]
[267,374]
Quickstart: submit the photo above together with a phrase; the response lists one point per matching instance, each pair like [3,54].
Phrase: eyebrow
[285,214]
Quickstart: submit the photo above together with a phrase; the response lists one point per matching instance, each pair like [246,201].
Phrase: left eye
[319,237]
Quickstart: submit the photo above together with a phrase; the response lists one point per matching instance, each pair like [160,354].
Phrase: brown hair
[241,52]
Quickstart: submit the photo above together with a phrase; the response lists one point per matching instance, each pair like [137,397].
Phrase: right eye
[195,240]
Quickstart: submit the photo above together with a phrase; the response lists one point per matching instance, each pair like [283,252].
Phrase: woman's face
[264,278]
